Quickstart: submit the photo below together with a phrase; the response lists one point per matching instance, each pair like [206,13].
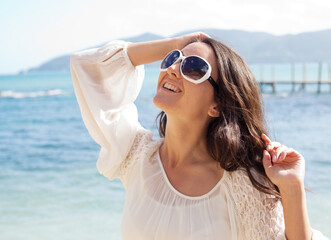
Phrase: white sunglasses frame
[181,58]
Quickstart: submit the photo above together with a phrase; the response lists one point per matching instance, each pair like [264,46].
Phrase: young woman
[213,174]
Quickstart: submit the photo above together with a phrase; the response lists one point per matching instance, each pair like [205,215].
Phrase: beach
[49,184]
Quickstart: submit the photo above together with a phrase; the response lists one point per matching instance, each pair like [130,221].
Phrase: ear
[213,111]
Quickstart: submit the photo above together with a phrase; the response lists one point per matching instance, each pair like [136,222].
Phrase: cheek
[201,92]
[199,97]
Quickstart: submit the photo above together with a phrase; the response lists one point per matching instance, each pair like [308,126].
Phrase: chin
[159,102]
[164,103]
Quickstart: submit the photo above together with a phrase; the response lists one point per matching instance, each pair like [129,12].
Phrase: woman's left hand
[284,166]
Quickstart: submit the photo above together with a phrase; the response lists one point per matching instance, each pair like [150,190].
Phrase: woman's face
[190,101]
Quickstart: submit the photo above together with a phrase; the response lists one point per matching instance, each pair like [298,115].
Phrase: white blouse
[106,85]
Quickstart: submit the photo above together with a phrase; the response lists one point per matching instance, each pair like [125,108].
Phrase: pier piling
[293,81]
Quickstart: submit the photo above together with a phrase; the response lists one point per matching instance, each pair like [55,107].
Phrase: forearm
[297,224]
[147,52]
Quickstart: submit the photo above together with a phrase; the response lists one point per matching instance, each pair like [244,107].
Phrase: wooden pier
[293,82]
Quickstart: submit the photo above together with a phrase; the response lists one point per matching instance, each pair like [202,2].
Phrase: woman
[213,174]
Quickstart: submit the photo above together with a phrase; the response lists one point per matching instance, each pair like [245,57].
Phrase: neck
[184,143]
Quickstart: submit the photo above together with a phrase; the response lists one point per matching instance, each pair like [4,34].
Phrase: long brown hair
[234,138]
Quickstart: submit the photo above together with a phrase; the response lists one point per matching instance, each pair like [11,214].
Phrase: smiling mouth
[171,87]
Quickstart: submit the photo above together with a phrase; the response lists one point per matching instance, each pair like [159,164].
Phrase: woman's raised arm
[286,168]
[152,51]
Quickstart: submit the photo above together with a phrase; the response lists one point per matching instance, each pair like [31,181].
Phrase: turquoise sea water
[50,187]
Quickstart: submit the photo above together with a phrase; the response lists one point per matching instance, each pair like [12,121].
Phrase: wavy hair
[234,138]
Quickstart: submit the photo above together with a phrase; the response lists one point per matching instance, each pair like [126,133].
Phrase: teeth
[171,87]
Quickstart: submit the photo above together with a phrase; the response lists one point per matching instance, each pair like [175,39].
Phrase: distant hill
[255,47]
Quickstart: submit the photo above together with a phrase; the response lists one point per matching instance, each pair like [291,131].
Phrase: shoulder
[240,179]
[260,215]
[142,147]
[246,195]
[144,143]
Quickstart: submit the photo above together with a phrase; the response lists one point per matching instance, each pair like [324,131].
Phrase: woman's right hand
[147,52]
[183,40]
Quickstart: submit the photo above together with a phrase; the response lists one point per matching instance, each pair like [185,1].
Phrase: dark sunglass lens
[194,68]
[170,59]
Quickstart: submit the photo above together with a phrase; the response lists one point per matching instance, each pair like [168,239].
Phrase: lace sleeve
[260,214]
[141,143]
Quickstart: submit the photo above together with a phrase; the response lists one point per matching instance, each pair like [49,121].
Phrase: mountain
[260,47]
[255,47]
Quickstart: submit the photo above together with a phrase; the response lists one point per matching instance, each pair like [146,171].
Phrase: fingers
[273,145]
[280,153]
[267,161]
[183,40]
[284,153]
[265,138]
[270,145]
[276,156]
[203,35]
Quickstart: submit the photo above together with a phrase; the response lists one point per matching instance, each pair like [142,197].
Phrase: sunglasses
[194,69]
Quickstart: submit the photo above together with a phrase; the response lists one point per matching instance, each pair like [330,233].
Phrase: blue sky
[33,31]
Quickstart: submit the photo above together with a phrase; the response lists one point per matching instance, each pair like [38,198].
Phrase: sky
[34,31]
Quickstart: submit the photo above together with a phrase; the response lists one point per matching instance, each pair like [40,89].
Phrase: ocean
[49,184]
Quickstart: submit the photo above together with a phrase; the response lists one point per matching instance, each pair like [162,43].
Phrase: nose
[174,70]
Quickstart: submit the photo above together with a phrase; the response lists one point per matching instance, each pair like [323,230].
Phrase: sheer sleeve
[106,84]
[261,215]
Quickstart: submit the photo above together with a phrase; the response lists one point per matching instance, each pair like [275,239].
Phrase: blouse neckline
[182,194]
